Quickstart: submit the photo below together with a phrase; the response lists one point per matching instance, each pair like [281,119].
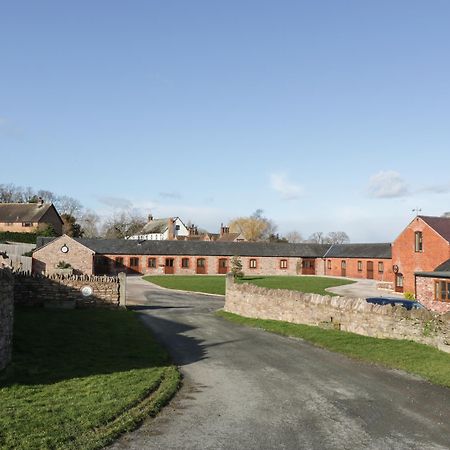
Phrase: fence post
[122,289]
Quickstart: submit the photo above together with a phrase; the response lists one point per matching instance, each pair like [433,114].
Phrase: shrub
[236,267]
[63,265]
[409,296]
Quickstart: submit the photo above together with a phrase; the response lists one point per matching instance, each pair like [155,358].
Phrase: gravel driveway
[248,389]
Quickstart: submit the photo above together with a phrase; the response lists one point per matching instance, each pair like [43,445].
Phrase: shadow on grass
[52,346]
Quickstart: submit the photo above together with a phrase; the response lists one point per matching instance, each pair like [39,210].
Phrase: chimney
[150,217]
[40,202]
[170,229]
[224,230]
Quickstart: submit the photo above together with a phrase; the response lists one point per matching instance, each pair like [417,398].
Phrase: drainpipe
[325,258]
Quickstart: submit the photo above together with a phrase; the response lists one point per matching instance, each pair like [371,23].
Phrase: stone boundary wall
[342,313]
[65,290]
[6,316]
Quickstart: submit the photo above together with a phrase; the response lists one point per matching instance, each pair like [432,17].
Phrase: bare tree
[89,222]
[123,225]
[47,196]
[68,205]
[294,237]
[317,238]
[337,237]
[446,214]
[9,193]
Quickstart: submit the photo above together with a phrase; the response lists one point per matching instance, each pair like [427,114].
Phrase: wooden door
[308,267]
[169,267]
[223,265]
[134,264]
[370,270]
[201,266]
[343,268]
[399,282]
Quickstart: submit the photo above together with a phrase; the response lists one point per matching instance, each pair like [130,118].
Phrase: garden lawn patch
[80,378]
[215,284]
[419,359]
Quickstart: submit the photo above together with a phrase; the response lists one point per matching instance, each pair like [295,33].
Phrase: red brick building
[421,247]
[370,261]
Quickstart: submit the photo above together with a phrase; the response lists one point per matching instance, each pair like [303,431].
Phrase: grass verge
[419,359]
[213,284]
[80,378]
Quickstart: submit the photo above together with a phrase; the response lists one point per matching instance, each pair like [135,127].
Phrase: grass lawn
[215,284]
[419,359]
[80,378]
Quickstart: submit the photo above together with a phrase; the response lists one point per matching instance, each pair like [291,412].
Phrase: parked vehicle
[395,301]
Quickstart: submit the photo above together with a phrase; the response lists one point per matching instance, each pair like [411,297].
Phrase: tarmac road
[248,389]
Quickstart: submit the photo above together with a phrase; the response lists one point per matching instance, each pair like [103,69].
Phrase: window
[283,263]
[399,280]
[27,224]
[442,291]
[359,266]
[252,264]
[201,262]
[134,262]
[418,244]
[151,262]
[223,263]
[177,227]
[380,267]
[185,263]
[343,264]
[118,262]
[329,264]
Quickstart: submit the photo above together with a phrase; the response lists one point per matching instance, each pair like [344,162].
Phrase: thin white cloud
[387,184]
[116,202]
[170,195]
[288,190]
[8,129]
[436,189]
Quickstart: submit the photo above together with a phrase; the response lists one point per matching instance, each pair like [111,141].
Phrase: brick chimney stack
[150,217]
[224,230]
[170,229]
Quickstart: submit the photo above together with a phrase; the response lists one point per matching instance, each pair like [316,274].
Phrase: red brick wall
[425,294]
[264,265]
[436,250]
[352,268]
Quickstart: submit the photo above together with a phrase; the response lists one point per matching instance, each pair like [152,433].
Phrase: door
[134,265]
[308,267]
[201,266]
[370,270]
[169,267]
[343,268]
[399,282]
[223,265]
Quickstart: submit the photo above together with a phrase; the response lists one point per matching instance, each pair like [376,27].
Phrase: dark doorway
[223,265]
[201,266]
[370,270]
[343,268]
[169,267]
[308,267]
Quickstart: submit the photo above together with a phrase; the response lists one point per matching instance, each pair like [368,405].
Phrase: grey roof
[375,251]
[23,212]
[441,271]
[439,224]
[200,248]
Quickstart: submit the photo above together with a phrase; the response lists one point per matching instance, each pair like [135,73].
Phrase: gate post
[122,289]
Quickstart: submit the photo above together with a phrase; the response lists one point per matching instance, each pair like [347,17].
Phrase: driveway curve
[248,389]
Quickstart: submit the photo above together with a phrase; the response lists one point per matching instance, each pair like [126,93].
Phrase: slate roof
[23,212]
[228,237]
[375,251]
[439,224]
[441,271]
[197,248]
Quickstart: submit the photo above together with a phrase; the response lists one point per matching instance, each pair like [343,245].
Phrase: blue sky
[328,115]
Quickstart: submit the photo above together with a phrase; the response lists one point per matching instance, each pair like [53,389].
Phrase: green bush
[409,296]
[25,238]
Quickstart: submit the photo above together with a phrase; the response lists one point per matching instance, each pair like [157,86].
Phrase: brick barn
[370,261]
[111,256]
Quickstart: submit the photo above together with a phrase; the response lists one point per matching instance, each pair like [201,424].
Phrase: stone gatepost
[6,316]
[122,289]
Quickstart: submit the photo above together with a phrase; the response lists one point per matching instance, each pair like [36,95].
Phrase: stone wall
[425,294]
[69,290]
[346,314]
[6,316]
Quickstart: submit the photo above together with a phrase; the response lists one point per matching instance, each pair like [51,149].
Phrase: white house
[162,229]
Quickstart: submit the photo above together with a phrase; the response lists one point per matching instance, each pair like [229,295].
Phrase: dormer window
[418,244]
